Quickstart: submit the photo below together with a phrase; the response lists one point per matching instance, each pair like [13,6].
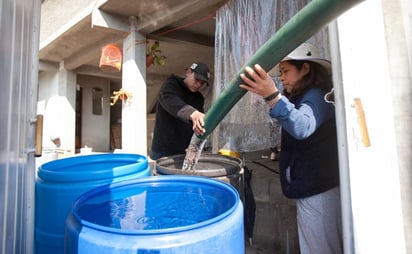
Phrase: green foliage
[155,52]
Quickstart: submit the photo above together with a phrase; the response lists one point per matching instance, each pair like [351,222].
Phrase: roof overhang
[175,23]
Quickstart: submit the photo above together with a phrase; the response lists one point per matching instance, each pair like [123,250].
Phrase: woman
[308,158]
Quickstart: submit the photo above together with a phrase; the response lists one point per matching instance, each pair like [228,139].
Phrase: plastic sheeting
[242,27]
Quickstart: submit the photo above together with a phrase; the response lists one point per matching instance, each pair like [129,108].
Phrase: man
[179,112]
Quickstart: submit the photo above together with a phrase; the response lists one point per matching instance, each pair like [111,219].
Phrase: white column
[134,137]
[64,104]
[373,169]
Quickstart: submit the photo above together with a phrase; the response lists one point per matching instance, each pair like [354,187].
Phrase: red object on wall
[149,60]
[111,58]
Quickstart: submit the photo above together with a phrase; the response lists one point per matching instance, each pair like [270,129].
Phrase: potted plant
[153,54]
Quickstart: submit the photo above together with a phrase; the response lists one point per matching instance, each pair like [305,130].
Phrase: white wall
[48,83]
[95,129]
[55,105]
[373,170]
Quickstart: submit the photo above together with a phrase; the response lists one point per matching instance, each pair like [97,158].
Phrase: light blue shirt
[303,119]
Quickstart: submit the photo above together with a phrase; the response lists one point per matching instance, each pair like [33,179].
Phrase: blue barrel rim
[61,170]
[153,180]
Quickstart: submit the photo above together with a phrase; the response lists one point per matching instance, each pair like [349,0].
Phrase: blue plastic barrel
[158,215]
[59,183]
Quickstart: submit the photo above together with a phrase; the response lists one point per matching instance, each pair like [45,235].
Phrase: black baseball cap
[201,71]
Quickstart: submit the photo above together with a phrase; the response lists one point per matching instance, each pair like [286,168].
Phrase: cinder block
[275,228]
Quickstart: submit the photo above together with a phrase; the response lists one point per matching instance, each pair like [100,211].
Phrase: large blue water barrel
[158,215]
[59,183]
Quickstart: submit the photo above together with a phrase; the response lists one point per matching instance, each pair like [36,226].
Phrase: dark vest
[313,162]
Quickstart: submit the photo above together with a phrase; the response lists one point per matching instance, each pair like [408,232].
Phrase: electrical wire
[264,166]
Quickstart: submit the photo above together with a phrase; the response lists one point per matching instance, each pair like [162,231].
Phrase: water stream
[193,153]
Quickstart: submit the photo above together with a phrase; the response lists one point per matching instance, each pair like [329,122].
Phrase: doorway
[93,114]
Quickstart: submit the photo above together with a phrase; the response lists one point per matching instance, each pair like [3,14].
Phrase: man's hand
[198,122]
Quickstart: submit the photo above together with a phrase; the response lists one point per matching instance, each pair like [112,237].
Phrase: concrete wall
[48,87]
[52,21]
[56,104]
[95,126]
[275,229]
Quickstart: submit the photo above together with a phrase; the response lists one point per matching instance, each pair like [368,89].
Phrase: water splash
[193,153]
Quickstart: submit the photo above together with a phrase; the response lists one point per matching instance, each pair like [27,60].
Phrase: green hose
[309,20]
